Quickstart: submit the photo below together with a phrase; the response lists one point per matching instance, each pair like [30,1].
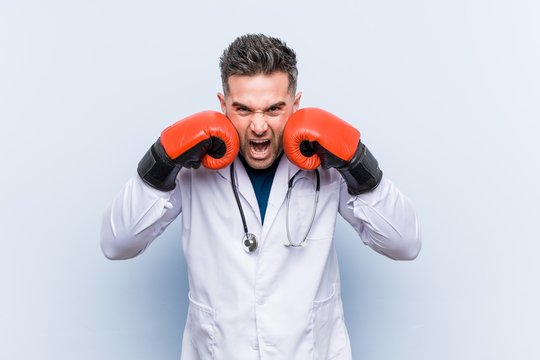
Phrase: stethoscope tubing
[302,243]
[249,240]
[235,191]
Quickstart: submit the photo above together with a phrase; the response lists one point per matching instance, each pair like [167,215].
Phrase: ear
[296,103]
[221,99]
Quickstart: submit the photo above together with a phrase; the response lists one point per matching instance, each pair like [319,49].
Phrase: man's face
[259,106]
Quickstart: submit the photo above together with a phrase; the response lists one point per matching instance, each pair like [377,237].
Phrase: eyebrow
[278,104]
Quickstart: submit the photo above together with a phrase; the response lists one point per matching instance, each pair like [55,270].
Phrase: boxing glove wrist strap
[362,174]
[157,169]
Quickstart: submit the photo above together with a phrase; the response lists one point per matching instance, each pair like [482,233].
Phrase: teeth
[259,146]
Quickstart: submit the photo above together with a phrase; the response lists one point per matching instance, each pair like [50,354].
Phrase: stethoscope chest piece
[249,242]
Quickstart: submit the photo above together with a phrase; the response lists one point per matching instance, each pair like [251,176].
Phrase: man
[258,217]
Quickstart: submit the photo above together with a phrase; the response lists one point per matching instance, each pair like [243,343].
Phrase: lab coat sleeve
[385,220]
[136,216]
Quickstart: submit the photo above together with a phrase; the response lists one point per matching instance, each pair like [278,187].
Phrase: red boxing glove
[207,137]
[314,137]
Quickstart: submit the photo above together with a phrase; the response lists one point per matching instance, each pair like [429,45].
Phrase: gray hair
[254,54]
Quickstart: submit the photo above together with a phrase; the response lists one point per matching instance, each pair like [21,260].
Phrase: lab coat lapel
[278,192]
[244,186]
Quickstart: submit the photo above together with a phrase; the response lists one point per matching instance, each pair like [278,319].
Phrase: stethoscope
[249,240]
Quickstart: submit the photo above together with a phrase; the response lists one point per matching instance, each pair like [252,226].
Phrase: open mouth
[259,148]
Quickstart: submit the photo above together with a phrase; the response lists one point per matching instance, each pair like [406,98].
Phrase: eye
[243,111]
[274,110]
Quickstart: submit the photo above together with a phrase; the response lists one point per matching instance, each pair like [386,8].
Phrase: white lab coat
[276,303]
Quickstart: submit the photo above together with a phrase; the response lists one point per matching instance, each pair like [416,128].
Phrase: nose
[258,123]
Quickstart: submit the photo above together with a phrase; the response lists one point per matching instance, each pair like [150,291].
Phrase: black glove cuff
[362,174]
[157,169]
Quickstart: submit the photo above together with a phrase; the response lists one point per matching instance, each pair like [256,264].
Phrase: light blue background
[445,93]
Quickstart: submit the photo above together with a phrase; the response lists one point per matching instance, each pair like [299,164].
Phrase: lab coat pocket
[328,327]
[201,322]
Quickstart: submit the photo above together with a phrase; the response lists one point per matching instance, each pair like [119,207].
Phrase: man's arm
[385,220]
[137,215]
[149,202]
[382,216]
